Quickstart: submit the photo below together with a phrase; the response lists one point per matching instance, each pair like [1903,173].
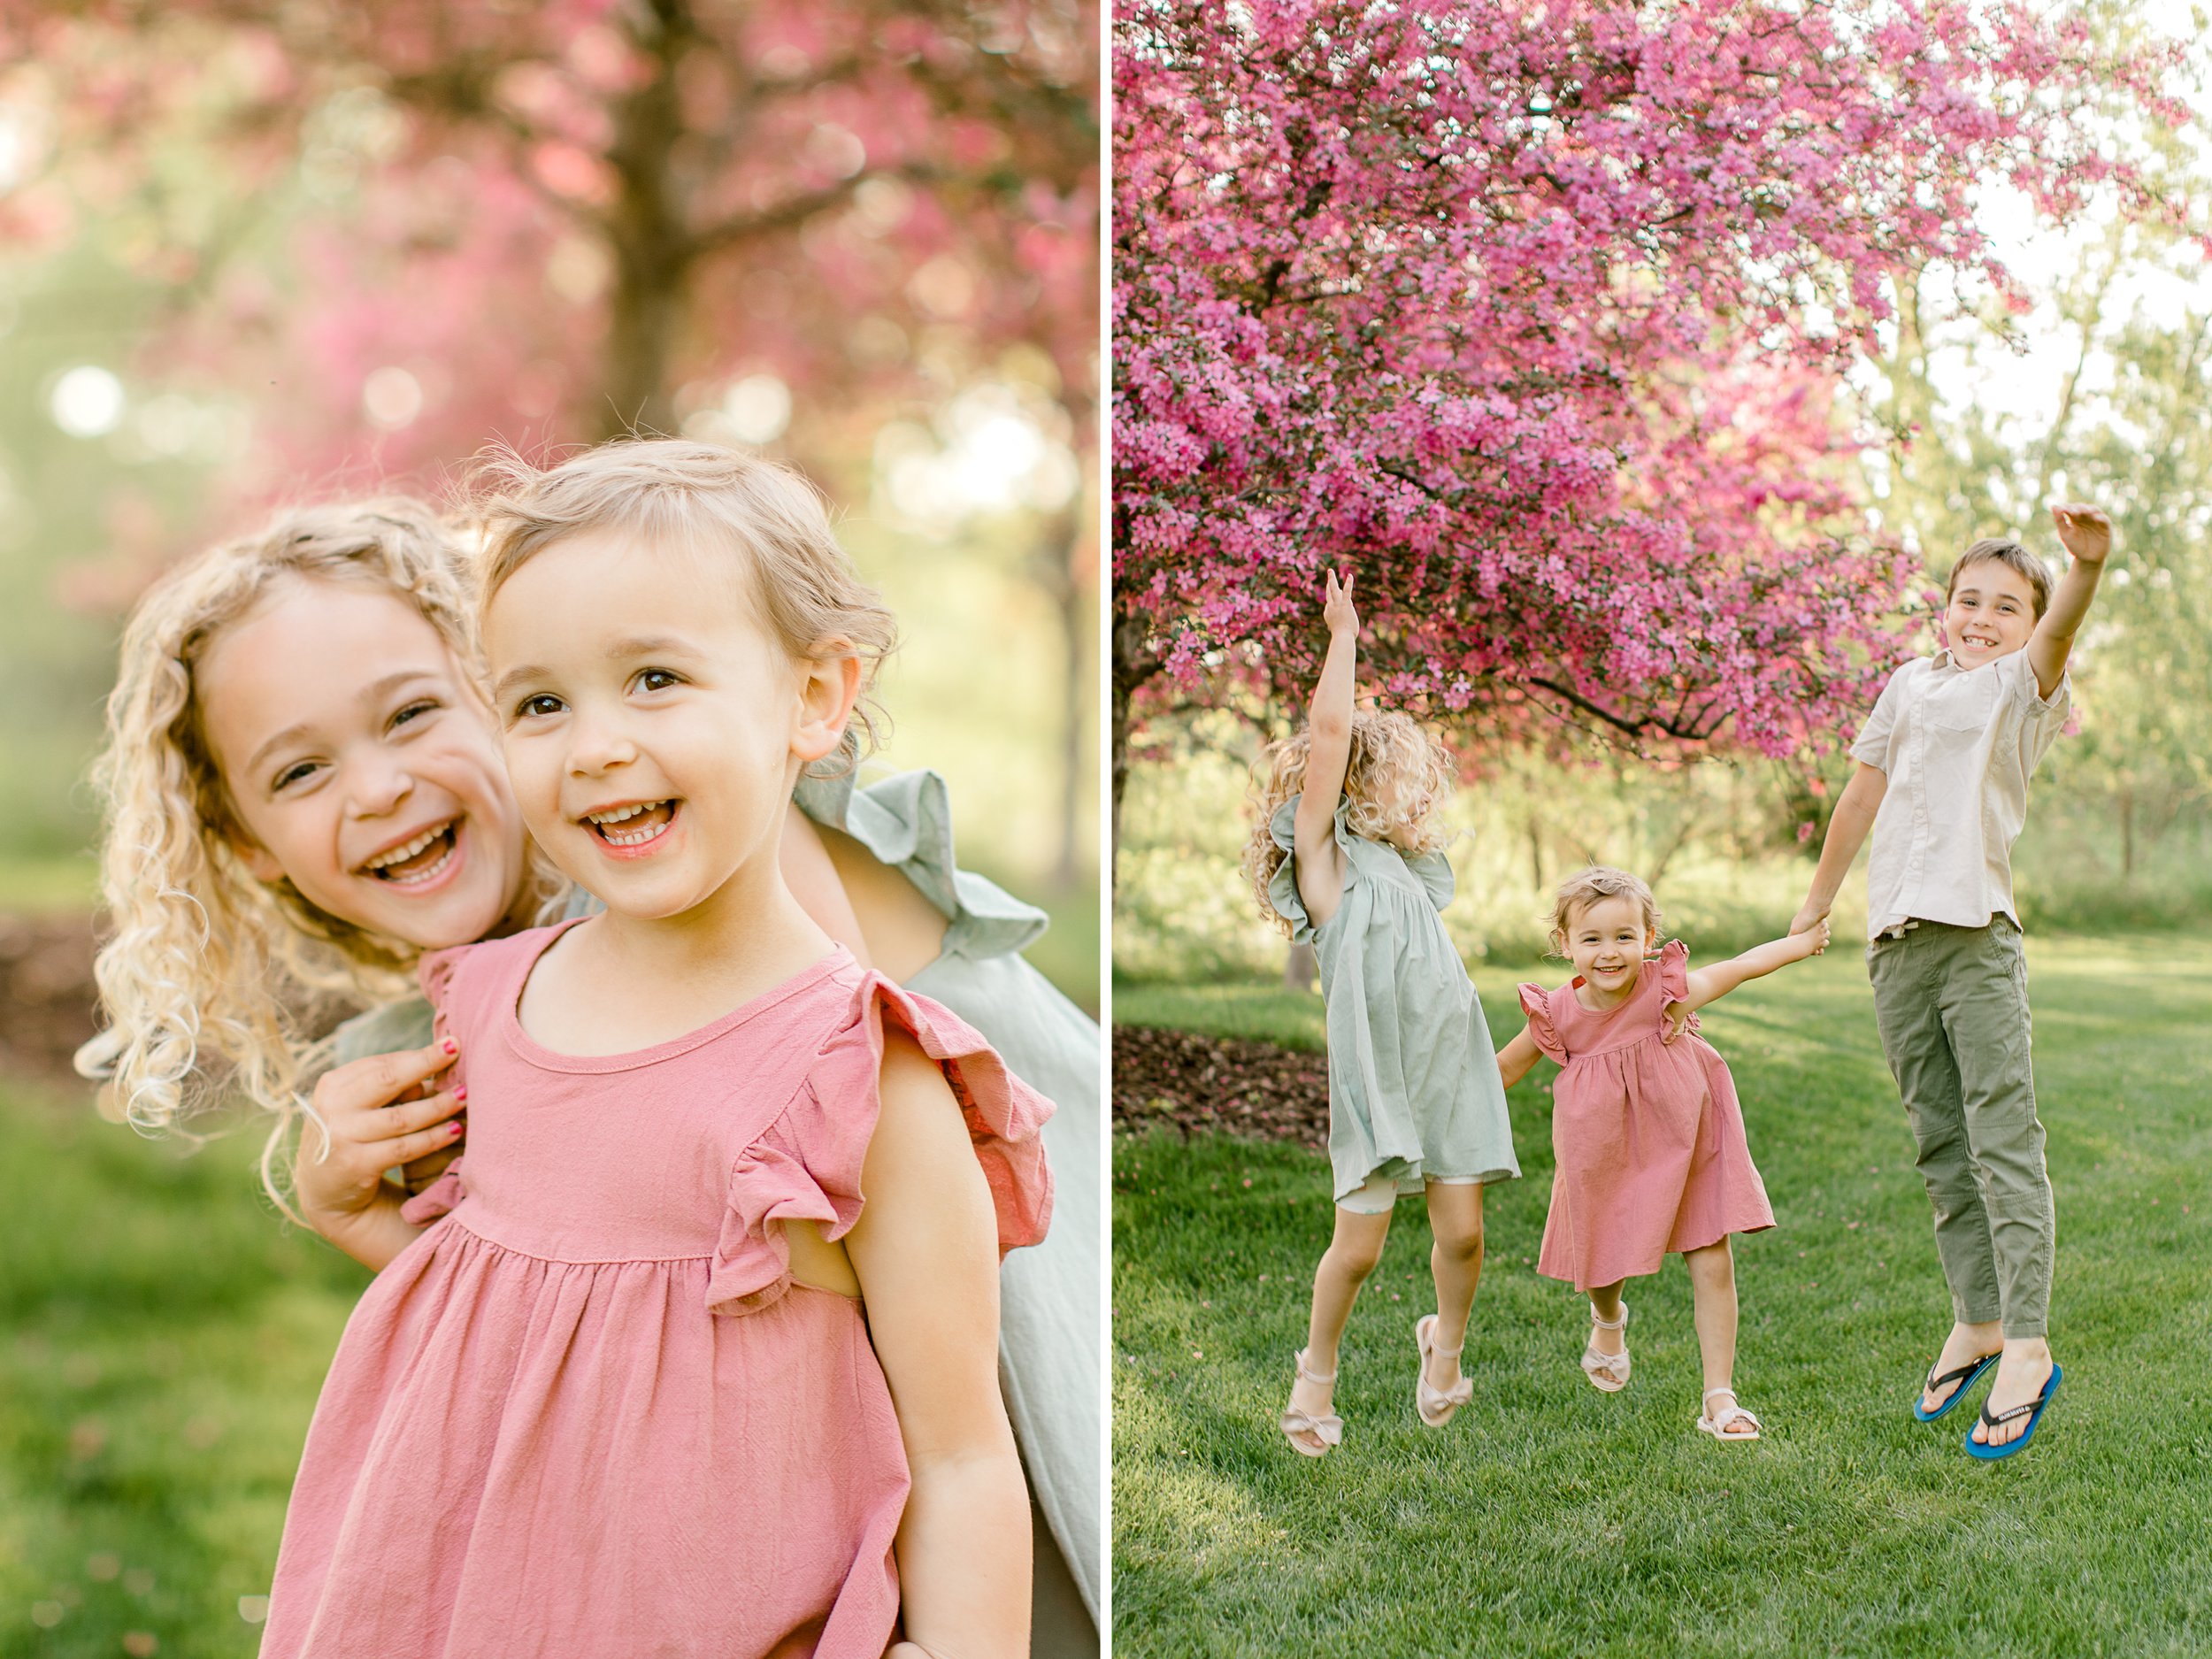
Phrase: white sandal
[1328,1427]
[1437,1406]
[1718,1426]
[1607,1373]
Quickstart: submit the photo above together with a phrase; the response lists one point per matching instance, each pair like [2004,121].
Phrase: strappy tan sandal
[1437,1406]
[1608,1372]
[1717,1424]
[1328,1428]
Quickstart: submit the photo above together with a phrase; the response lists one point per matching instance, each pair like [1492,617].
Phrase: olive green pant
[1952,1003]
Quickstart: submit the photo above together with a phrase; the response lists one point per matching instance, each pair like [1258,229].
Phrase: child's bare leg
[1456,1262]
[1606,1299]
[1713,1295]
[1354,1250]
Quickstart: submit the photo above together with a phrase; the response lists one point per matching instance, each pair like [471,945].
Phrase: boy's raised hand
[1337,608]
[2083,530]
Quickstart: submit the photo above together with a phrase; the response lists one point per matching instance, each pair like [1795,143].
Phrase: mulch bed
[1178,1079]
[46,996]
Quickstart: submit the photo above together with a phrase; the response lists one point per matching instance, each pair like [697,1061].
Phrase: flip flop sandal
[1965,1376]
[1328,1428]
[1608,1372]
[1718,1427]
[1436,1407]
[2032,1411]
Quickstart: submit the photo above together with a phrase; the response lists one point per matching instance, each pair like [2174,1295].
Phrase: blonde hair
[1387,747]
[1586,887]
[677,493]
[204,961]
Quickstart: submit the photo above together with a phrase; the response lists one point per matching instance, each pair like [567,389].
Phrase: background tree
[1541,321]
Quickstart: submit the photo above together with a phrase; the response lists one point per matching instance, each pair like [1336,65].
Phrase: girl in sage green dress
[1347,855]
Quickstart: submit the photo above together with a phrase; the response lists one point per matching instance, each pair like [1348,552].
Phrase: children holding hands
[1649,1139]
[1942,779]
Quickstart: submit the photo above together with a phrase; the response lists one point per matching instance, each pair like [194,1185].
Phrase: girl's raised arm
[925,1250]
[1329,721]
[1709,985]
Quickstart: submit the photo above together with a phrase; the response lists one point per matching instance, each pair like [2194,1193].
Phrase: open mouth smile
[421,858]
[634,823]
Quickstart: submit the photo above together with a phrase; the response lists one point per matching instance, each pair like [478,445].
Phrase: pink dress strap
[807,1165]
[1536,1004]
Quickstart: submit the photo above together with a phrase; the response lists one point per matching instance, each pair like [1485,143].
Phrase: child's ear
[260,862]
[828,688]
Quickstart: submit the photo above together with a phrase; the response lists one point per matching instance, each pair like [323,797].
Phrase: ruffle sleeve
[1282,886]
[1536,1004]
[435,974]
[1674,977]
[905,821]
[807,1165]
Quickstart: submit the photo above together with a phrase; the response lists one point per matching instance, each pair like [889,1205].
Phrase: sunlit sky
[2042,255]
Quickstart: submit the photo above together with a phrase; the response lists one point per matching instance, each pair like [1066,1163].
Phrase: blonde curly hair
[204,963]
[1392,756]
[1589,887]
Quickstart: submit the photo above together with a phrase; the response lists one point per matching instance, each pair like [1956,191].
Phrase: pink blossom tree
[1538,317]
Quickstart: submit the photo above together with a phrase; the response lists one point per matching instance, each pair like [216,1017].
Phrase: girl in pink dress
[731,1391]
[1647,1138]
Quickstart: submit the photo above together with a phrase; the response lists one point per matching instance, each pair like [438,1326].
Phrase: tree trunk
[1133,664]
[647,235]
[1055,568]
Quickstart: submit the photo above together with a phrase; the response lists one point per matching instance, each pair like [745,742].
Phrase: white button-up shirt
[1958,746]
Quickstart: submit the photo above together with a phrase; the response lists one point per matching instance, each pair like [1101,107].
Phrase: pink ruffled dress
[1647,1139]
[590,1412]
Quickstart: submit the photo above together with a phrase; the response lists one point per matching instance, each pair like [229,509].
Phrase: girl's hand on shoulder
[378,1111]
[1337,608]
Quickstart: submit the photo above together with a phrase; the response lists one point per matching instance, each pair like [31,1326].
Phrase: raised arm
[1710,984]
[925,1250]
[1856,807]
[1329,721]
[2087,536]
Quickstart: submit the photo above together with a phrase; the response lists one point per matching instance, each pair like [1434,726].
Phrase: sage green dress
[1414,1092]
[1051,1364]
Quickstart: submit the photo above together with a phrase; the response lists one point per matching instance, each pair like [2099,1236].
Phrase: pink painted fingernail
[461,1093]
[448,1046]
[453,1131]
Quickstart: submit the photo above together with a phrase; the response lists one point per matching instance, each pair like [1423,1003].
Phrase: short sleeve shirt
[1958,746]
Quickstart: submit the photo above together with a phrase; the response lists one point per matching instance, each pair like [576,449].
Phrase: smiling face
[1605,940]
[361,764]
[1991,612]
[653,726]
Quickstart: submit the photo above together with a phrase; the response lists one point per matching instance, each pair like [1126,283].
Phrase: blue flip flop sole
[1990,1454]
[1957,1393]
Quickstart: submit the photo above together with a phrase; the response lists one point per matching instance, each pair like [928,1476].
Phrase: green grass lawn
[1551,1520]
[162,1336]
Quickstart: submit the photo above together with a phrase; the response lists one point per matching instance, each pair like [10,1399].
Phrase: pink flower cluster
[1536,318]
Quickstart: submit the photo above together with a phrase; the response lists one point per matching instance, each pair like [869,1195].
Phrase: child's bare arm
[925,1250]
[1516,1058]
[1856,807]
[1329,721]
[2087,536]
[1710,984]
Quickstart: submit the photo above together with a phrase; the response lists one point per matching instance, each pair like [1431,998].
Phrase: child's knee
[1354,1259]
[1462,1244]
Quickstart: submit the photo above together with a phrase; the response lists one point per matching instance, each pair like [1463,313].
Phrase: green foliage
[1550,1519]
[168,1335]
